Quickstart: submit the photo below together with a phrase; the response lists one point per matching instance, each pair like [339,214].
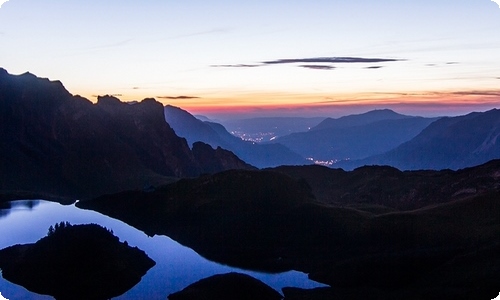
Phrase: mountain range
[375,232]
[58,144]
[216,135]
[448,143]
[355,136]
[63,146]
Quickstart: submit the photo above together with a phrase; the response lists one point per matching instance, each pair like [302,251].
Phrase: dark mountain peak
[359,119]
[151,101]
[108,100]
[3,72]
[32,90]
[217,160]
[179,114]
[65,146]
[29,75]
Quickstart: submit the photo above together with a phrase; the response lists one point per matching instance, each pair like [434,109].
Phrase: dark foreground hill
[384,188]
[228,286]
[355,136]
[214,134]
[449,143]
[54,144]
[265,220]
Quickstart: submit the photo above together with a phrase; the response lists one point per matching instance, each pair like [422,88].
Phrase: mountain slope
[359,119]
[340,141]
[62,145]
[214,134]
[449,143]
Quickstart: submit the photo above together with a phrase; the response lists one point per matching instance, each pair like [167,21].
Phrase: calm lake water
[176,266]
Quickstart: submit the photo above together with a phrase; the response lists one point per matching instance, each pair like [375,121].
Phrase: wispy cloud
[112,95]
[204,32]
[236,66]
[313,62]
[177,97]
[317,67]
[2,2]
[329,60]
[494,93]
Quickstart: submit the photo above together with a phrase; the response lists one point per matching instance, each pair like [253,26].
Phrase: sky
[227,59]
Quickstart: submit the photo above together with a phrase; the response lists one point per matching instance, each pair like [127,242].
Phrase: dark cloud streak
[312,63]
[317,67]
[177,97]
[330,60]
[236,66]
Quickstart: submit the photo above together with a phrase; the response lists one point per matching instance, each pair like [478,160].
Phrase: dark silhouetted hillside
[264,220]
[381,189]
[55,144]
[214,134]
[336,139]
[449,143]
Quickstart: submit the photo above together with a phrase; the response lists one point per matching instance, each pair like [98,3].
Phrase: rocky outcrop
[56,144]
[216,135]
[213,161]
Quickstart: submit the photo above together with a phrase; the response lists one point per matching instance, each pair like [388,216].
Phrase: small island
[76,262]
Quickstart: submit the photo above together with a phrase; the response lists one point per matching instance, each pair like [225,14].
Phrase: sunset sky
[264,58]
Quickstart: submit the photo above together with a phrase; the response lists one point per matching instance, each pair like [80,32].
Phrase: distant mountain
[335,139]
[56,144]
[214,134]
[268,128]
[359,119]
[449,143]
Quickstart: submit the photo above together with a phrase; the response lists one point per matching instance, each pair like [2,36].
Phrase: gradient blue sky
[217,54]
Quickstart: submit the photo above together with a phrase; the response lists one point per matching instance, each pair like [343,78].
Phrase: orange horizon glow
[283,103]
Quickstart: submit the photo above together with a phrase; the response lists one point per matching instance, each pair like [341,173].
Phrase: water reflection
[29,204]
[7,207]
[177,266]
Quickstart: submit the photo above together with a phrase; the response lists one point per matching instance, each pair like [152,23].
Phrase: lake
[176,266]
